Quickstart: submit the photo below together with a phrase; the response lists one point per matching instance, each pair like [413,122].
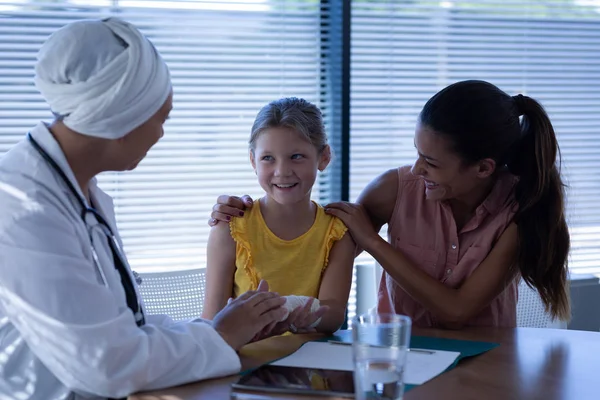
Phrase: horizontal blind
[403,52]
[227,60]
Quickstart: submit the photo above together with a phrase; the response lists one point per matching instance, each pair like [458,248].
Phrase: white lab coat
[64,334]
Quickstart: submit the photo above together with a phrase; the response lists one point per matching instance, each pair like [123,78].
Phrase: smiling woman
[440,168]
[485,195]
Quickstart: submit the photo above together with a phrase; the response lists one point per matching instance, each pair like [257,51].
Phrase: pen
[339,342]
[422,351]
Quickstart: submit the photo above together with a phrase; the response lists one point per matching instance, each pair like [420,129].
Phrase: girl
[286,239]
[481,207]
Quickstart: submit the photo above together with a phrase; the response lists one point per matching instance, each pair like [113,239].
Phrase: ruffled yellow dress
[291,267]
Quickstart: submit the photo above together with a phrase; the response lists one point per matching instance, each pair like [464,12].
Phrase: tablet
[294,380]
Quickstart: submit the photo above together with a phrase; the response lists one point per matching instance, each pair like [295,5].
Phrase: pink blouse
[425,232]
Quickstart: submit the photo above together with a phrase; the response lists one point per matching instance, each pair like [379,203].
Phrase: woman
[482,206]
[72,324]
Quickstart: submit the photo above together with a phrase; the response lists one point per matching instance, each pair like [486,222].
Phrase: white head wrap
[102,78]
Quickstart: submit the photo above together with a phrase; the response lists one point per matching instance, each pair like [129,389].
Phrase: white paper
[420,366]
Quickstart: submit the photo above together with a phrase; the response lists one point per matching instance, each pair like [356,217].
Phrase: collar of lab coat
[42,135]
[102,202]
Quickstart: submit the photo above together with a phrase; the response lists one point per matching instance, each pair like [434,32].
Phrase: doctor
[72,324]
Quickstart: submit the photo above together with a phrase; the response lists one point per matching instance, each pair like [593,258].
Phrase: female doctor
[72,324]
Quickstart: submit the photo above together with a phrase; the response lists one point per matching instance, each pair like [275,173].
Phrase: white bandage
[293,302]
[102,78]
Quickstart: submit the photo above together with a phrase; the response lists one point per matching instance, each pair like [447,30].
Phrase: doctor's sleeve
[72,323]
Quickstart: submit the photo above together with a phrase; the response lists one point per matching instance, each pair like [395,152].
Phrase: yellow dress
[291,267]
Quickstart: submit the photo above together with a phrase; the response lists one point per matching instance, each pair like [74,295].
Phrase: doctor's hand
[228,207]
[244,317]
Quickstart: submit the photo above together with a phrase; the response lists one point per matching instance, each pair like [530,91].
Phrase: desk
[529,364]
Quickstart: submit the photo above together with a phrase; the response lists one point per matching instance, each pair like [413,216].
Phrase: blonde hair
[293,113]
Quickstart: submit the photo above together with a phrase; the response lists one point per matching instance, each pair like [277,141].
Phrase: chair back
[178,294]
[531,312]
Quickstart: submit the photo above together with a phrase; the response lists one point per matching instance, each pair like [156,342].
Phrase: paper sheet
[420,367]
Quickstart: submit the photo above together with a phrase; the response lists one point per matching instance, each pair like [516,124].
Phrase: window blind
[403,52]
[227,60]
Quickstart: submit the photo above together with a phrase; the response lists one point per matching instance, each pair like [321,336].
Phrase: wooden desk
[529,364]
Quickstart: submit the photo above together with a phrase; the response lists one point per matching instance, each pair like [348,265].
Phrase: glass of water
[379,346]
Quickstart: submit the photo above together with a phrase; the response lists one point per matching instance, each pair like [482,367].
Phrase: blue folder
[466,348]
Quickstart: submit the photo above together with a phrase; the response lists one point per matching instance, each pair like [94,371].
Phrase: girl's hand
[355,217]
[301,320]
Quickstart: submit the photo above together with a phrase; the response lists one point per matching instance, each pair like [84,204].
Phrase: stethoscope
[119,259]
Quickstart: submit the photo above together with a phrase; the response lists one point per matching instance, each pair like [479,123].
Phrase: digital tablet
[293,380]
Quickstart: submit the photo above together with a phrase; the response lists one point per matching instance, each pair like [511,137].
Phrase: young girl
[286,239]
[481,207]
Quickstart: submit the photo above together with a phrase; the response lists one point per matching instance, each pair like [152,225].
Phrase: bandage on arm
[293,302]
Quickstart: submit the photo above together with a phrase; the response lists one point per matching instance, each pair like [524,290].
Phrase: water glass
[379,346]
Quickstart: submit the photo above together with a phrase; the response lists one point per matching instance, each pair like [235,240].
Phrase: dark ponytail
[483,122]
[544,239]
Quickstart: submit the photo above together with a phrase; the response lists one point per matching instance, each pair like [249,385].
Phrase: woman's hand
[355,217]
[228,207]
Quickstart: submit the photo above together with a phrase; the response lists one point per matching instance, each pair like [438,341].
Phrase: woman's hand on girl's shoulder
[228,207]
[378,199]
[359,224]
